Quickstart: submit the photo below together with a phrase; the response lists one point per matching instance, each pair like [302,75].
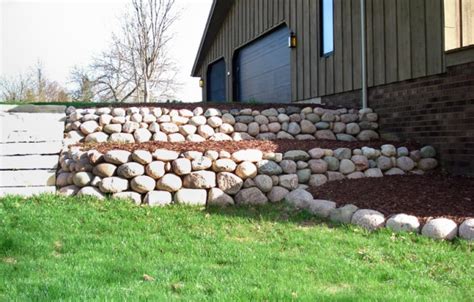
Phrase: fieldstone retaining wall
[138,125]
[217,178]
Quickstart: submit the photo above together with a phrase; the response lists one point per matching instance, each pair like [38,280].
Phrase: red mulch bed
[231,146]
[422,196]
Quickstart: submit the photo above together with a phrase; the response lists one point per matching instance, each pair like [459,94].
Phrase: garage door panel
[216,78]
[263,71]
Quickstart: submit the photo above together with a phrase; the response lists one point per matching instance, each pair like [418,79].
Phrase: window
[327,27]
[458,23]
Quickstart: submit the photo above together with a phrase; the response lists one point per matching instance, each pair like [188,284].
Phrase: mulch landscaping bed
[422,196]
[232,146]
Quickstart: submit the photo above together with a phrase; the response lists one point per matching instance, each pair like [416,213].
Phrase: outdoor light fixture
[292,40]
[201,83]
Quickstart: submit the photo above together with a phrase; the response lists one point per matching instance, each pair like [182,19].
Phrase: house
[419,62]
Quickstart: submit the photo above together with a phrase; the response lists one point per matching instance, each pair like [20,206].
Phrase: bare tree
[32,86]
[137,65]
[84,90]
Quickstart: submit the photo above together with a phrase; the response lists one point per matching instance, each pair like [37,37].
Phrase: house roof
[217,15]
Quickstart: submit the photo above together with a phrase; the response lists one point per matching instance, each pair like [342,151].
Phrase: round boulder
[264,183]
[246,170]
[169,183]
[229,183]
[158,198]
[217,197]
[368,219]
[466,230]
[200,180]
[251,196]
[440,229]
[113,185]
[143,184]
[299,199]
[117,157]
[403,223]
[155,169]
[130,170]
[191,197]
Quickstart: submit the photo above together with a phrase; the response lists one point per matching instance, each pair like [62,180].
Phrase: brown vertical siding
[404,41]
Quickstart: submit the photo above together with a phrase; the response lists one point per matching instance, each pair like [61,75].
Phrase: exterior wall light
[292,42]
[201,83]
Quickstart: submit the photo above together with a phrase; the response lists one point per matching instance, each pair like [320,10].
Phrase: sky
[64,33]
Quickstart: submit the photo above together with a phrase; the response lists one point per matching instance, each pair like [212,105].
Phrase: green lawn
[54,248]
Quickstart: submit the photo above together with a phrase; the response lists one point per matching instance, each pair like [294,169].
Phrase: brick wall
[437,110]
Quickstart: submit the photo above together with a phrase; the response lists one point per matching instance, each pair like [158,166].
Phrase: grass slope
[54,248]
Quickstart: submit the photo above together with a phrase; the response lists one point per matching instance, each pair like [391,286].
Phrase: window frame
[322,29]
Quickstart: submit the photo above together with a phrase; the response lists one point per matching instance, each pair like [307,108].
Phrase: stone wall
[138,125]
[220,178]
[436,110]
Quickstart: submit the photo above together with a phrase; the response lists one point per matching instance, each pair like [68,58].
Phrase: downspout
[363,54]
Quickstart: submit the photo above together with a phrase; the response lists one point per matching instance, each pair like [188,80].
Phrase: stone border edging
[371,220]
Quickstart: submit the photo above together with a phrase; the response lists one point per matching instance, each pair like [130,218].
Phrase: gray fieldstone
[440,229]
[82,179]
[321,208]
[297,155]
[373,172]
[113,185]
[264,183]
[428,152]
[325,135]
[104,170]
[368,219]
[299,199]
[289,181]
[246,170]
[250,155]
[229,183]
[250,196]
[191,197]
[343,214]
[97,137]
[303,175]
[130,170]
[342,153]
[130,127]
[316,153]
[90,127]
[288,166]
[394,171]
[277,194]
[224,165]
[384,163]
[347,166]
[345,137]
[112,128]
[181,166]
[165,155]
[427,164]
[158,198]
[142,157]
[368,135]
[176,138]
[217,197]
[200,180]
[403,223]
[361,162]
[143,184]
[121,138]
[317,180]
[155,169]
[333,163]
[268,167]
[466,230]
[169,182]
[70,190]
[202,163]
[389,150]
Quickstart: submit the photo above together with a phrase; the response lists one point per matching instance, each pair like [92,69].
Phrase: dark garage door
[216,82]
[263,71]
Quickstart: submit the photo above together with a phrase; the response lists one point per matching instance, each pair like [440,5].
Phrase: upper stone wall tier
[138,125]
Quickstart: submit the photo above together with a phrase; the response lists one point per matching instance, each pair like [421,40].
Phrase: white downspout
[363,54]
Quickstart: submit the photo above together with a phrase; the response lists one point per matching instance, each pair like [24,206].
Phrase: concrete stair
[31,139]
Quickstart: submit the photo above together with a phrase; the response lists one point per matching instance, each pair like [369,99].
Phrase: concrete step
[51,147]
[27,178]
[26,108]
[26,191]
[29,162]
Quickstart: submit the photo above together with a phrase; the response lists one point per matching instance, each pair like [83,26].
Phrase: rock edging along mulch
[439,228]
[144,124]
